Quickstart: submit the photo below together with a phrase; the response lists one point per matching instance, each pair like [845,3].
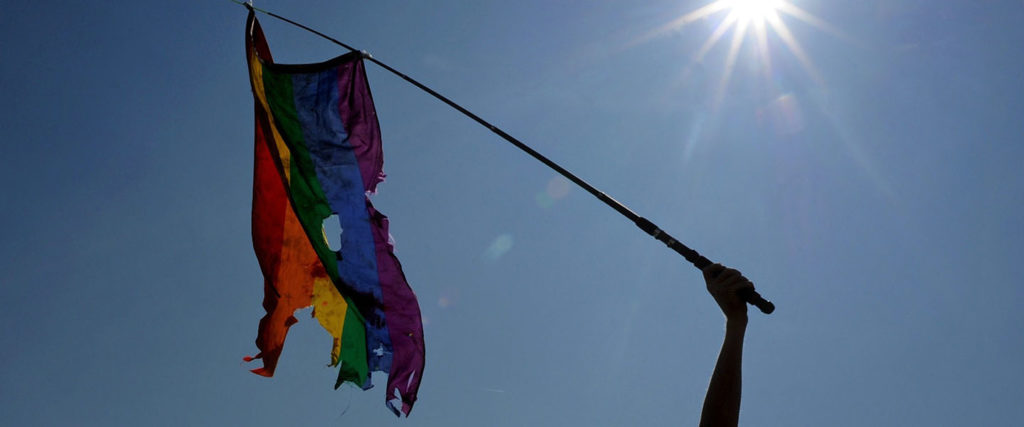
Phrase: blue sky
[879,206]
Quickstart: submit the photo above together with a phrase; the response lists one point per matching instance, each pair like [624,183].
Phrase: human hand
[724,284]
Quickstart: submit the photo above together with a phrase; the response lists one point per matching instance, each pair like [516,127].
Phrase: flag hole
[332,230]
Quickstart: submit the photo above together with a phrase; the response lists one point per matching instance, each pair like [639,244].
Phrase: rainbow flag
[318,153]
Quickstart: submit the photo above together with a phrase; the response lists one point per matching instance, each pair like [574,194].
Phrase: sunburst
[749,16]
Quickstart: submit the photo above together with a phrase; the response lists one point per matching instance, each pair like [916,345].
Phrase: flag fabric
[317,153]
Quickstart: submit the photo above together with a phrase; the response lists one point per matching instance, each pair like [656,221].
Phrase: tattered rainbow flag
[318,153]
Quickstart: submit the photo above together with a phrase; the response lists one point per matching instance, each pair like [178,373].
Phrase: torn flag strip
[318,152]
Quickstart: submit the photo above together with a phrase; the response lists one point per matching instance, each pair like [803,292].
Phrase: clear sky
[872,190]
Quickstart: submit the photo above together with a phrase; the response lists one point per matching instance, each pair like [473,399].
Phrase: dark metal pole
[698,260]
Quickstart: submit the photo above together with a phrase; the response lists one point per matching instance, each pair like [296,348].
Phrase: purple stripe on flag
[403,314]
[360,117]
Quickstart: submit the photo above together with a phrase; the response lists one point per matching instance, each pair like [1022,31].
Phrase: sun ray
[680,22]
[715,36]
[802,15]
[794,46]
[730,61]
[698,14]
[761,32]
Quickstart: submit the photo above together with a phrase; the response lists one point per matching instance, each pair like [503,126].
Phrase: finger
[728,289]
[732,283]
[739,284]
[712,271]
[726,276]
[731,275]
[731,287]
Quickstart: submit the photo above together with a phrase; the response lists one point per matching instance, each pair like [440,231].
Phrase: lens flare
[501,245]
[557,189]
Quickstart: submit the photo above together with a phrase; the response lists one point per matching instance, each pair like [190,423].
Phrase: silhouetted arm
[722,402]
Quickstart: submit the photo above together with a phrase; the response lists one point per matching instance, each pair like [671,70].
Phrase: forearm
[722,403]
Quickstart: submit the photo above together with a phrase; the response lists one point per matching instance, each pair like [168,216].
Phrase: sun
[752,11]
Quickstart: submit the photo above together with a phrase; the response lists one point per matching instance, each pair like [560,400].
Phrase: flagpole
[750,296]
